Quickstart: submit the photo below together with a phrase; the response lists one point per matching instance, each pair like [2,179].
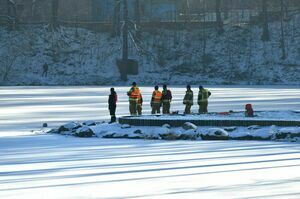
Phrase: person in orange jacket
[156,101]
[133,94]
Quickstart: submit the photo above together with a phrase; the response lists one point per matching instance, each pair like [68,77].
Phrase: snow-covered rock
[288,132]
[166,134]
[89,123]
[215,134]
[240,135]
[254,127]
[84,131]
[189,125]
[230,129]
[167,126]
[125,126]
[190,134]
[264,133]
[69,127]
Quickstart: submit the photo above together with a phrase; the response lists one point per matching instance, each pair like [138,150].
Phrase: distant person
[133,94]
[45,70]
[140,105]
[112,105]
[249,112]
[203,96]
[156,100]
[166,100]
[188,100]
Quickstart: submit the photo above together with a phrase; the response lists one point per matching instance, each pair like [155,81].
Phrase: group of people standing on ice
[160,99]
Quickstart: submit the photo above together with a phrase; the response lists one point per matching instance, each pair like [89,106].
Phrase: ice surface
[55,166]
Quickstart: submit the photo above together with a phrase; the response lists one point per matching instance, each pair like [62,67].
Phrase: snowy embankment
[188,131]
[82,57]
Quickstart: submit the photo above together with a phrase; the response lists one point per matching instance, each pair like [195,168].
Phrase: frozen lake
[54,166]
[27,108]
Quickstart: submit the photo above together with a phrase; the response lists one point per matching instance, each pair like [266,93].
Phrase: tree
[137,15]
[266,33]
[187,11]
[54,17]
[282,40]
[220,28]
[117,18]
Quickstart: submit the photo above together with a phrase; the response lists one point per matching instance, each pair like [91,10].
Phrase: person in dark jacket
[249,112]
[166,100]
[112,104]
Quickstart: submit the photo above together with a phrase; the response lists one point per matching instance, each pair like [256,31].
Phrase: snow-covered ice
[55,166]
[51,166]
[27,108]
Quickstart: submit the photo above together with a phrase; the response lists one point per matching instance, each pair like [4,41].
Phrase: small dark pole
[125,32]
[125,44]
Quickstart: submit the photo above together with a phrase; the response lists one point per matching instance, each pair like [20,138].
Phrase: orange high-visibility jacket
[134,94]
[156,97]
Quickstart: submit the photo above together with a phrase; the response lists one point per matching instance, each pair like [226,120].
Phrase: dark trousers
[166,107]
[187,109]
[133,108]
[203,107]
[139,109]
[155,108]
[112,111]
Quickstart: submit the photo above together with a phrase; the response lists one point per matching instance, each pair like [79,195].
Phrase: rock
[230,129]
[138,131]
[125,126]
[53,131]
[84,132]
[45,125]
[69,127]
[189,135]
[287,133]
[169,136]
[116,135]
[189,125]
[243,135]
[137,134]
[168,126]
[107,134]
[254,127]
[264,133]
[100,134]
[215,134]
[89,123]
[163,133]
